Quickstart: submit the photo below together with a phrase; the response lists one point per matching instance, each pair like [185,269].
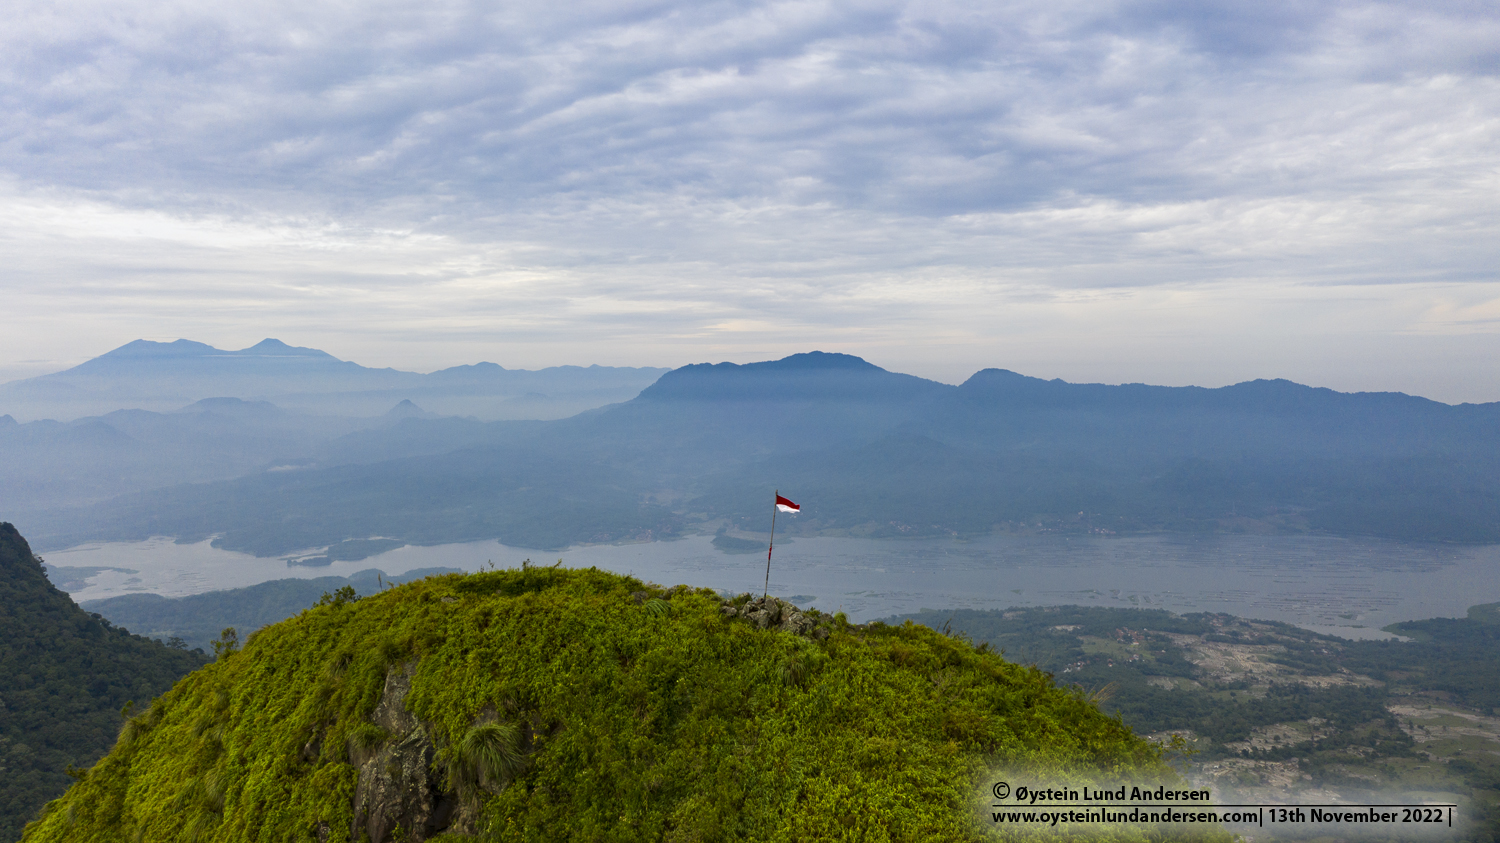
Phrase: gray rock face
[398,797]
[401,794]
[775,613]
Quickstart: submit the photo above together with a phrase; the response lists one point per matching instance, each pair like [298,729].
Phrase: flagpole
[772,545]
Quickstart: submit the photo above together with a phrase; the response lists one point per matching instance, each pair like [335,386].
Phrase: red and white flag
[786,506]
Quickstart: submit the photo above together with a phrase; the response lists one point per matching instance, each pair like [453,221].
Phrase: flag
[786,506]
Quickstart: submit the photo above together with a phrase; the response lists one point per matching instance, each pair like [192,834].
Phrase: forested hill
[812,376]
[871,452]
[557,704]
[64,677]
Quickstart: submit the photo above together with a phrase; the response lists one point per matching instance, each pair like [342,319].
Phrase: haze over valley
[874,453]
[148,415]
[1287,502]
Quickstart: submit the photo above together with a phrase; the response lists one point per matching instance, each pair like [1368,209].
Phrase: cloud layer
[1132,191]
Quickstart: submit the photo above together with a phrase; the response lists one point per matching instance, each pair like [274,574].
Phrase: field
[1277,714]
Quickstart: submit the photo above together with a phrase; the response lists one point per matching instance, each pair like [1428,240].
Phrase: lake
[1347,587]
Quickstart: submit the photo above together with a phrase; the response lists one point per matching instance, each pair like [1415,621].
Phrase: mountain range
[164,376]
[868,452]
[150,415]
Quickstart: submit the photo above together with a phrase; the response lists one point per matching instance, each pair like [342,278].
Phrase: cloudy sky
[1105,191]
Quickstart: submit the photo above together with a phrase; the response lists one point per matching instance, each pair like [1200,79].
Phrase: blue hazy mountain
[50,463]
[703,417]
[149,415]
[164,376]
[813,376]
[1272,416]
[868,452]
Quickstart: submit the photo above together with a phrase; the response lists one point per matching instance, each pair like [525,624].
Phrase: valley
[1272,713]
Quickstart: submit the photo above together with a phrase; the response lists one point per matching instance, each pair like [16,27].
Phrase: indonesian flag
[786,506]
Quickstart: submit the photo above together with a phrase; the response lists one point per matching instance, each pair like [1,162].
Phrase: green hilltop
[560,704]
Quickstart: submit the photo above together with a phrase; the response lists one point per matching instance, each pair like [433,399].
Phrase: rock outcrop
[774,613]
[398,796]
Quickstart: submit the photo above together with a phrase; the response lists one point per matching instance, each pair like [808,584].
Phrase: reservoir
[1346,587]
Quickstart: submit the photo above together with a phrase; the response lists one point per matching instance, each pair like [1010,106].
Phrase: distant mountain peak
[407,409]
[817,360]
[150,349]
[269,347]
[996,376]
[811,375]
[237,406]
[136,349]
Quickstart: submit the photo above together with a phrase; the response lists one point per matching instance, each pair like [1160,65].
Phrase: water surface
[1348,587]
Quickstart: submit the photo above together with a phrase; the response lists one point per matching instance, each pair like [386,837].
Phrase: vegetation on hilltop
[64,677]
[557,704]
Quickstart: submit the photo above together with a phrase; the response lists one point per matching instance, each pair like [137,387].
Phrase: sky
[1159,192]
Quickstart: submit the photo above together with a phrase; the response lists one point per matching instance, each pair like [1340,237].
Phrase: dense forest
[65,677]
[1456,657]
